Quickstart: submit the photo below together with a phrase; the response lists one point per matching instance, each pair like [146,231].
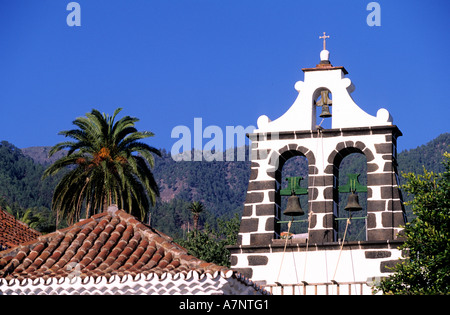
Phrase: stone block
[246,272]
[377,254]
[261,238]
[379,234]
[395,205]
[369,155]
[372,167]
[249,225]
[257,260]
[376,205]
[328,220]
[371,220]
[386,266]
[320,180]
[321,236]
[248,211]
[253,174]
[261,185]
[384,148]
[266,209]
[392,219]
[390,192]
[380,179]
[271,225]
[321,206]
[254,197]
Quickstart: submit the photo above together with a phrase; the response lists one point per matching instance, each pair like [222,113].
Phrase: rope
[284,250]
[307,244]
[323,168]
[319,135]
[342,245]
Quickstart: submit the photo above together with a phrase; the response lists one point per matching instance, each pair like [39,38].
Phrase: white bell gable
[345,112]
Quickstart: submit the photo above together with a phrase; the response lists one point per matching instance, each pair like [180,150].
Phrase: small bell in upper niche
[325,112]
[325,103]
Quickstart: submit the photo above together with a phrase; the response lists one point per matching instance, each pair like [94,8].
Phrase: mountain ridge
[220,185]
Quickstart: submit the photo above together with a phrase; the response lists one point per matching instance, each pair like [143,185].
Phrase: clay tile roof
[13,232]
[105,245]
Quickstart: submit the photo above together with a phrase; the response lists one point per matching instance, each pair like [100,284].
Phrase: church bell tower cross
[296,133]
[259,252]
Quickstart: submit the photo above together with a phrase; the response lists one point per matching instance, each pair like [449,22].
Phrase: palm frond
[103,167]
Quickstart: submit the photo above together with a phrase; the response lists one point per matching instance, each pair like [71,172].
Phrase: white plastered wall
[345,112]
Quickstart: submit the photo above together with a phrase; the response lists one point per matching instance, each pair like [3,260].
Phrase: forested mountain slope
[220,185]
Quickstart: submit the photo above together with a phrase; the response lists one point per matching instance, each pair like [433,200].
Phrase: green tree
[28,217]
[210,244]
[108,164]
[196,207]
[426,269]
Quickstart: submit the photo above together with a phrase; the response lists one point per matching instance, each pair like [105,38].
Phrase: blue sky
[228,62]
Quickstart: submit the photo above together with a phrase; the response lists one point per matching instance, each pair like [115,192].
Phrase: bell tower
[299,132]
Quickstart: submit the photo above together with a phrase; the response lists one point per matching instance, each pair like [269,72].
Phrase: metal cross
[324,40]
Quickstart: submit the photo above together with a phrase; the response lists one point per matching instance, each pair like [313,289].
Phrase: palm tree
[106,164]
[196,207]
[28,217]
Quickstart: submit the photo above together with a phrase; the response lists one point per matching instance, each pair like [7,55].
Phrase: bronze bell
[325,111]
[293,208]
[353,203]
[325,103]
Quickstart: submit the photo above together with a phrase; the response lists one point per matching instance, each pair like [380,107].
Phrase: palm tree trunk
[105,203]
[196,217]
[88,208]
[57,220]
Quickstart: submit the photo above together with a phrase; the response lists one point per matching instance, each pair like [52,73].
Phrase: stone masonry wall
[324,150]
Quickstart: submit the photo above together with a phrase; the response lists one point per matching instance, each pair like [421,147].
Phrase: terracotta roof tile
[104,245]
[13,232]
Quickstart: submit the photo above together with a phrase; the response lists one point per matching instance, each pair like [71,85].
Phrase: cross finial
[324,40]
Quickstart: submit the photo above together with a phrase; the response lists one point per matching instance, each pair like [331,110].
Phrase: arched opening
[352,177]
[301,162]
[294,172]
[323,107]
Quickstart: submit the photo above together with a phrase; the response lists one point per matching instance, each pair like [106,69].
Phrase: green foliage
[426,269]
[210,244]
[196,207]
[172,218]
[220,186]
[22,192]
[27,217]
[428,155]
[104,168]
[20,179]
